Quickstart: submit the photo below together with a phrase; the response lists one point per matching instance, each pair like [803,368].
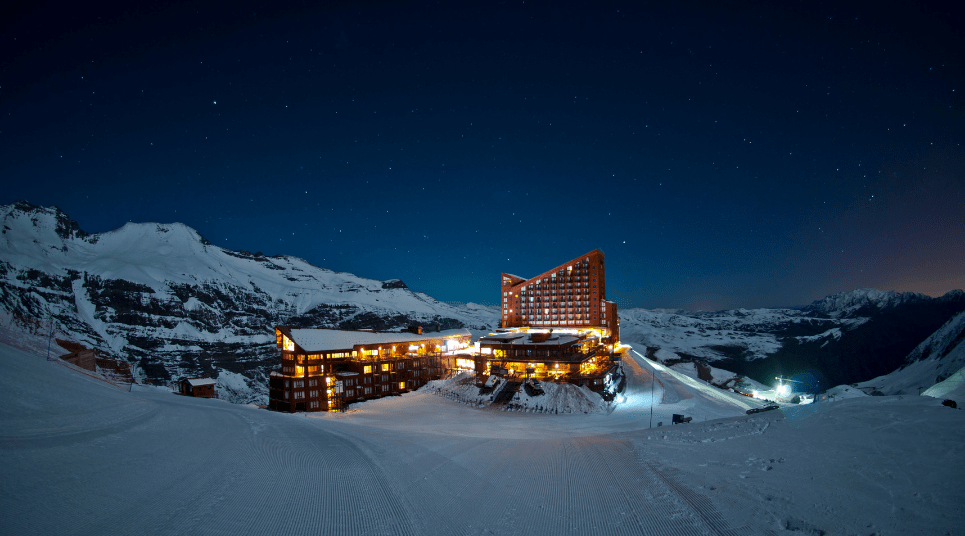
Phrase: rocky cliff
[170,303]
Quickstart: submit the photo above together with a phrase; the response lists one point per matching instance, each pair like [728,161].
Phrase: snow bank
[79,451]
[953,388]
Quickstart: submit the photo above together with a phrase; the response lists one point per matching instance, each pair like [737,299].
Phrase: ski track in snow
[83,457]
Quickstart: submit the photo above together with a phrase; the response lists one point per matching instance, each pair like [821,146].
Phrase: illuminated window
[385,366]
[288,344]
[367,369]
[401,385]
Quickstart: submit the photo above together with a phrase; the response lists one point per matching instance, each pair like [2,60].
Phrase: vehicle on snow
[768,407]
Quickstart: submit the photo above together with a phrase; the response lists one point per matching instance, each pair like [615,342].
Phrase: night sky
[761,155]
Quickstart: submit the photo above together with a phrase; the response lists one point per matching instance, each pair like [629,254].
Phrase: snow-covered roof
[320,340]
[197,382]
[526,338]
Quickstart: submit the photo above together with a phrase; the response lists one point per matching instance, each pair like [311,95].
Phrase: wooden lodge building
[327,369]
[198,387]
[557,326]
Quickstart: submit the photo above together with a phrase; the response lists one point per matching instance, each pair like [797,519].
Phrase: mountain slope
[936,359]
[170,302]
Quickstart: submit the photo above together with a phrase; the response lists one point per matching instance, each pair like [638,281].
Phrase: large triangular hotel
[557,326]
[571,295]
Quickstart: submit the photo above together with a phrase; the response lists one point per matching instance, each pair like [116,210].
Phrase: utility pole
[50,334]
[653,374]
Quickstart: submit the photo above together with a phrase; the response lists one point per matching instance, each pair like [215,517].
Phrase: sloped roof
[198,382]
[320,340]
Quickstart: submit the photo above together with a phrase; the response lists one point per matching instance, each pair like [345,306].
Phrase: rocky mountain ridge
[166,300]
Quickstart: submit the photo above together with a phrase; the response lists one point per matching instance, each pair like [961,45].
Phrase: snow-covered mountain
[165,299]
[841,339]
[936,359]
[868,301]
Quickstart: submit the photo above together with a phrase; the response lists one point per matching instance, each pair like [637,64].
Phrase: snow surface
[81,456]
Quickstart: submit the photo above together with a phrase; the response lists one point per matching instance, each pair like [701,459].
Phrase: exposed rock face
[162,298]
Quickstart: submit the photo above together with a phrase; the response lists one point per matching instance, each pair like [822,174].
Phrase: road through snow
[81,457]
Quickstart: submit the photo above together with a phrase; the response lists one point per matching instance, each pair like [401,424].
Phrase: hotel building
[327,369]
[571,295]
[557,326]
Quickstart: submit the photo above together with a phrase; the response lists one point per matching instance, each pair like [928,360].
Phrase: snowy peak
[26,225]
[162,297]
[850,303]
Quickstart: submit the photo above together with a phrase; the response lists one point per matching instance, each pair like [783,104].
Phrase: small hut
[198,387]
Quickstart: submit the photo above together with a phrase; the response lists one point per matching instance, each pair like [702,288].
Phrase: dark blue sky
[760,155]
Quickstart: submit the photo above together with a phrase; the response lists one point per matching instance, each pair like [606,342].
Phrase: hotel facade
[571,295]
[327,369]
[557,326]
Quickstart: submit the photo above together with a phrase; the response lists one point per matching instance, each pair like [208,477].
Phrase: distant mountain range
[844,338]
[166,300]
[172,304]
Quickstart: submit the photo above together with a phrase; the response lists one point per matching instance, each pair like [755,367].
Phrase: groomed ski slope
[80,456]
